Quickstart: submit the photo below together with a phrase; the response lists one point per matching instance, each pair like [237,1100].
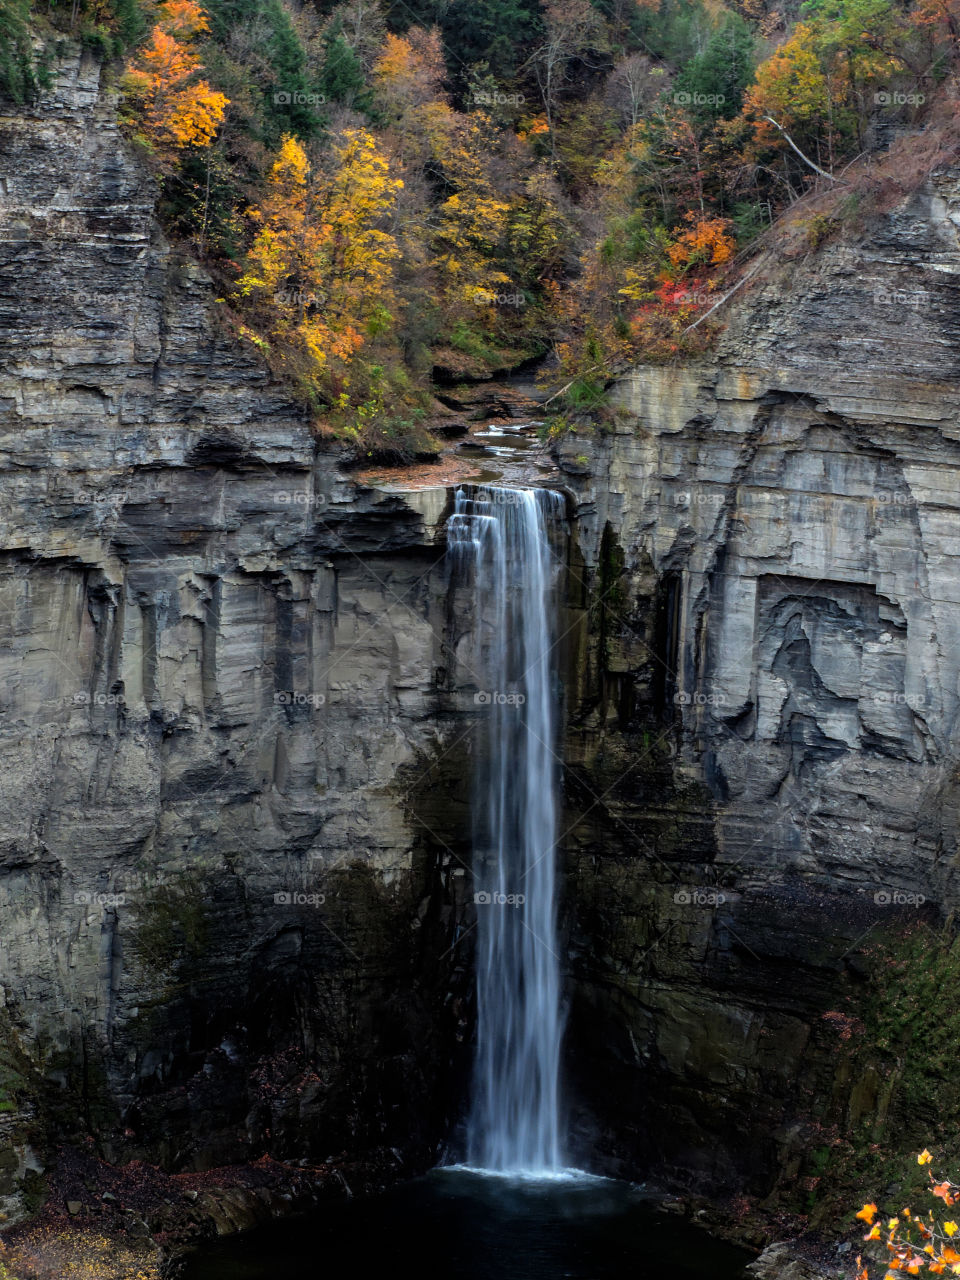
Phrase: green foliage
[342,79]
[498,32]
[721,73]
[914,1019]
[272,72]
[750,219]
[22,76]
[172,926]
[677,31]
[106,27]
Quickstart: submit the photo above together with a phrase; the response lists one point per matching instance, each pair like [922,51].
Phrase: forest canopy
[390,194]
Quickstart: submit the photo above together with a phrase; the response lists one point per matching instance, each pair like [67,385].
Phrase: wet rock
[780,1262]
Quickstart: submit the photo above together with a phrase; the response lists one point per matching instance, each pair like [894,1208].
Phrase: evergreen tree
[720,74]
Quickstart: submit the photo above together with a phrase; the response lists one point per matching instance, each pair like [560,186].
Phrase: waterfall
[499,538]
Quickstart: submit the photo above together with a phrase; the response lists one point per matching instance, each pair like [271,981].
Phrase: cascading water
[501,537]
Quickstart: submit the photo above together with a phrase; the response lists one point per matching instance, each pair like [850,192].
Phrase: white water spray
[501,536]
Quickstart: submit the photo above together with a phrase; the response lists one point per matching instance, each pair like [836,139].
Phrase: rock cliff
[762,752]
[222,683]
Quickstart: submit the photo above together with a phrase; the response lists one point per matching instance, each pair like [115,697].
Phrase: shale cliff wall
[764,743]
[222,687]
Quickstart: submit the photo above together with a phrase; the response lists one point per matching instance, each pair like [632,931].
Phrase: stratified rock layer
[762,754]
[221,918]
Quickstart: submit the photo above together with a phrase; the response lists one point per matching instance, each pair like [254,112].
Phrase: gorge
[243,744]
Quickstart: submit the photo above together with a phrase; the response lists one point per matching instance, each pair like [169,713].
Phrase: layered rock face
[762,754]
[220,698]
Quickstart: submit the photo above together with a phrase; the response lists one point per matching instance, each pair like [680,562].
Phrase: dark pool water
[468,1226]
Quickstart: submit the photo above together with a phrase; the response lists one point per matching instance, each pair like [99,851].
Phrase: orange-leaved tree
[914,1243]
[178,108]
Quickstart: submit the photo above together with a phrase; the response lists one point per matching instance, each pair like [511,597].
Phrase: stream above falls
[454,1223]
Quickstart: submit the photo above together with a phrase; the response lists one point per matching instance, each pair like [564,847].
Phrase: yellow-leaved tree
[320,271]
[469,244]
[178,109]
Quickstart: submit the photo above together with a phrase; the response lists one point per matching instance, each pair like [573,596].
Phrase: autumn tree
[178,108]
[571,29]
[320,269]
[633,86]
[408,76]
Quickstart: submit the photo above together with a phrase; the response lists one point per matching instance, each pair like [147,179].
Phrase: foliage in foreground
[75,1253]
[915,1243]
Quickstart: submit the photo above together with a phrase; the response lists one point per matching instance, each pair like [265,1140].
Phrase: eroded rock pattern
[765,744]
[219,923]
